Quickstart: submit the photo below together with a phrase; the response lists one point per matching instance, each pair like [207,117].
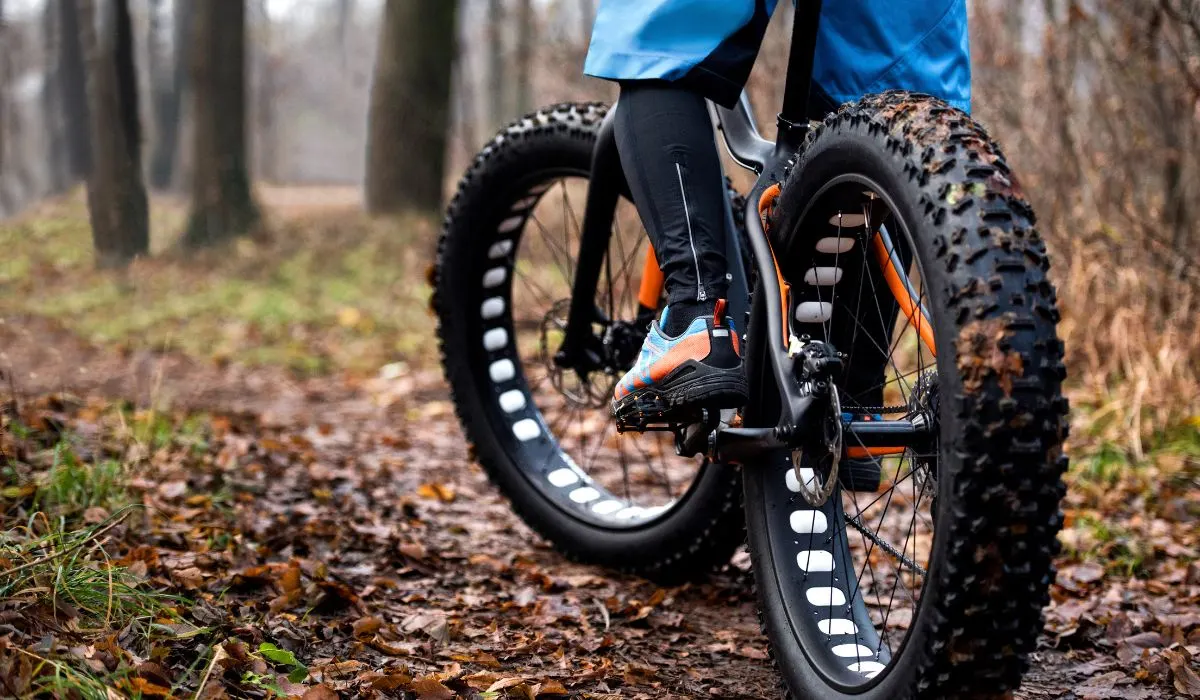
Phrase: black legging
[665,137]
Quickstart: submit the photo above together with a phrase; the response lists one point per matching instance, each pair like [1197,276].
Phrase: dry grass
[1132,331]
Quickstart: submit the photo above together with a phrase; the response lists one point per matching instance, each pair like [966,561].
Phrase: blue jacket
[864,46]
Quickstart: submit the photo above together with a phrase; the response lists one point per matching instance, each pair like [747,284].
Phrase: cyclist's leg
[665,138]
[690,358]
[669,55]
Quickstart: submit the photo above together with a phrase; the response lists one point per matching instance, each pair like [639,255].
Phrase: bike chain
[883,544]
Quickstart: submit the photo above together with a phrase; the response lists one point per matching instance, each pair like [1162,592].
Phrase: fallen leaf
[289,582]
[190,578]
[367,626]
[430,688]
[551,687]
[320,692]
[1184,676]
[435,491]
[431,623]
[172,489]
[391,682]
[504,683]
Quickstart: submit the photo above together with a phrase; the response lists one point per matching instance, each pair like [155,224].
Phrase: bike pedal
[651,413]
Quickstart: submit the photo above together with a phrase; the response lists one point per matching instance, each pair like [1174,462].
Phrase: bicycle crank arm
[744,445]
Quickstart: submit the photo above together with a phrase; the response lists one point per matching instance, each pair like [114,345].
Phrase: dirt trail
[406,558]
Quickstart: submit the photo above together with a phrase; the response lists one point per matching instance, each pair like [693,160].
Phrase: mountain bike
[896,470]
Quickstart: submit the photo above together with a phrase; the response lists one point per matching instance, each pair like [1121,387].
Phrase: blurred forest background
[216,220]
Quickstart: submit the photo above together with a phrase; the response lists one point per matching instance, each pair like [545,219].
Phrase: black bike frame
[769,160]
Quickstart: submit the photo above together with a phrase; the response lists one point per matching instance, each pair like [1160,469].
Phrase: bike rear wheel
[506,262]
[933,585]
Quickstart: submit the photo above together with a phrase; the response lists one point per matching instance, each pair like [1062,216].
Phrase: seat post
[793,118]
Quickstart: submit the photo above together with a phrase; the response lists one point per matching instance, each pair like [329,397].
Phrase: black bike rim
[826,609]
[531,436]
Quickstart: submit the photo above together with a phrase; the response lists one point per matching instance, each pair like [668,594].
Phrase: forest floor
[211,489]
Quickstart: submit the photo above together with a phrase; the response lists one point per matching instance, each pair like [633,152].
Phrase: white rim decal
[495,339]
[871,668]
[606,507]
[847,220]
[523,204]
[823,276]
[499,249]
[494,277]
[834,246]
[814,311]
[837,625]
[511,223]
[491,308]
[526,429]
[815,560]
[825,596]
[512,401]
[808,522]
[849,651]
[810,479]
[562,477]
[584,494]
[502,371]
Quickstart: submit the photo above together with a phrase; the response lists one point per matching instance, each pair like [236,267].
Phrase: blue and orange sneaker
[674,378]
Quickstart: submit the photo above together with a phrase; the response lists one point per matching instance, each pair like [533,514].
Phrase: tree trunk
[116,196]
[3,112]
[57,166]
[168,76]
[222,205]
[263,104]
[496,77]
[410,106]
[525,56]
[3,92]
[345,13]
[72,82]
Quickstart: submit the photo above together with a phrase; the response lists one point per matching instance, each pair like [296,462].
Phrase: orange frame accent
[912,310]
[765,204]
[862,452]
[651,286]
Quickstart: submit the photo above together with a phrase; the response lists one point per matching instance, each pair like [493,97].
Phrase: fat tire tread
[1004,517]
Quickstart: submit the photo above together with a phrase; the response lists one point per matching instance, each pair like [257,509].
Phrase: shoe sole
[682,395]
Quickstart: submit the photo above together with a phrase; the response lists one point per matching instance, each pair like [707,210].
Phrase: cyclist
[668,56]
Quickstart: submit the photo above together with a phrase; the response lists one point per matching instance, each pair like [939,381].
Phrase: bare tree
[116,196]
[410,106]
[3,88]
[496,77]
[4,203]
[222,204]
[71,80]
[262,106]
[168,78]
[342,21]
[525,38]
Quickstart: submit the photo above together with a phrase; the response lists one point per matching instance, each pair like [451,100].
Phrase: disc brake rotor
[832,440]
[593,391]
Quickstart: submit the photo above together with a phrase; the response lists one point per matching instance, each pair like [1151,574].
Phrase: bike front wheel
[544,433]
[909,248]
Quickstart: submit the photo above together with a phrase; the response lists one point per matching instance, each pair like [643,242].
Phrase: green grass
[62,523]
[323,294]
